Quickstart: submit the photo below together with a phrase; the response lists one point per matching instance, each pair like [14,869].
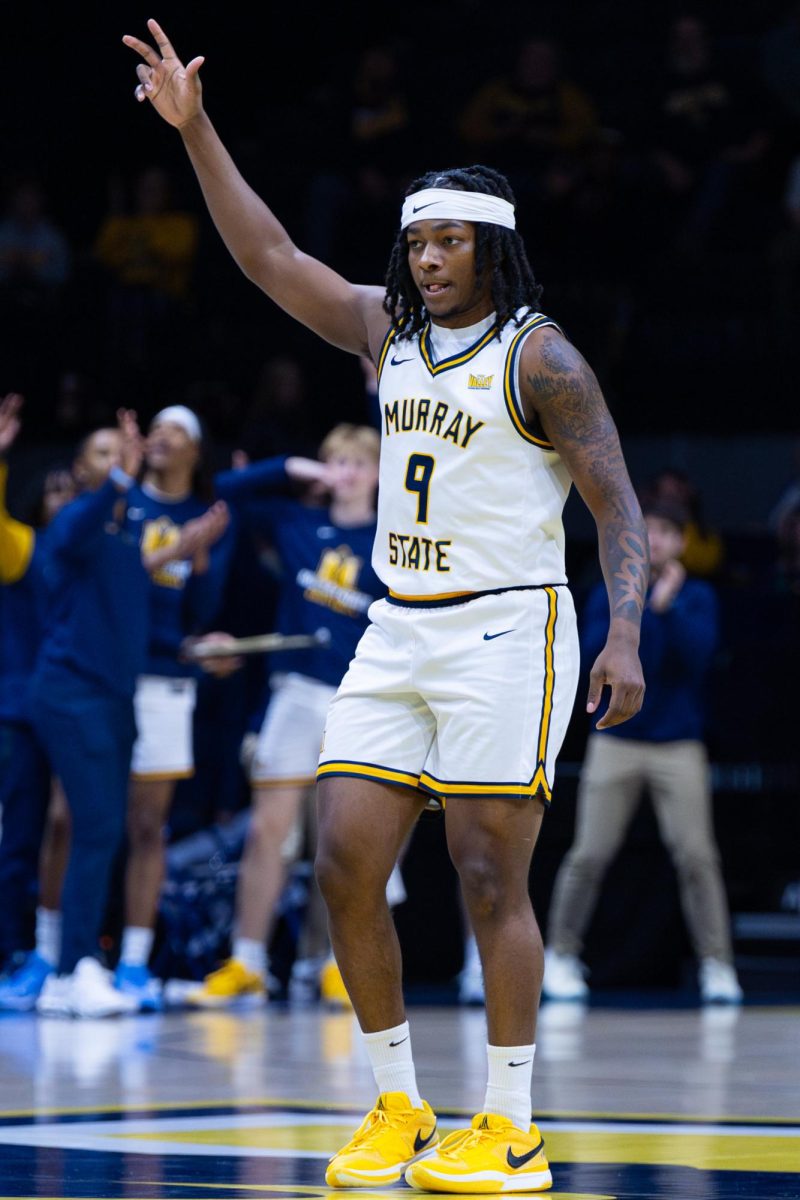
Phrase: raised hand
[174,90]
[131,450]
[10,423]
[309,470]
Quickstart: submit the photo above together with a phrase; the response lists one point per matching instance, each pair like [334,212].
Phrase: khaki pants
[615,772]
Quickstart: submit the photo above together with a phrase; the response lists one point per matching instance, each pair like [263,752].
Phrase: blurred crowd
[656,172]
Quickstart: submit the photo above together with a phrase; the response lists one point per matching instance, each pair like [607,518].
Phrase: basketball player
[462,686]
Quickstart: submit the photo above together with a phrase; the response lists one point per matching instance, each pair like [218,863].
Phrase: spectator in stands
[710,136]
[27,787]
[148,255]
[35,267]
[788,500]
[325,553]
[276,420]
[784,257]
[780,61]
[788,564]
[526,119]
[357,197]
[185,597]
[35,256]
[660,749]
[703,548]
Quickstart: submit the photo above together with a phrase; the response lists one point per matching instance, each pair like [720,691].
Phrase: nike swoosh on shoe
[518,1160]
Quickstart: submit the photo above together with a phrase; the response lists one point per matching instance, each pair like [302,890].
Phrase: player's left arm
[560,389]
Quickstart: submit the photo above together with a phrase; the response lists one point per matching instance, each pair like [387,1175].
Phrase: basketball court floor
[640,1104]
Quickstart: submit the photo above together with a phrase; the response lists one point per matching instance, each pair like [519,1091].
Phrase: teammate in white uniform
[461,686]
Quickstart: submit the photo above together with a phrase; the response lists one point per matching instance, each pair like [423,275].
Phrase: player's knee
[332,875]
[486,890]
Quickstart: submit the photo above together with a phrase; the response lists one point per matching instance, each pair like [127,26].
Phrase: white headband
[443,203]
[179,414]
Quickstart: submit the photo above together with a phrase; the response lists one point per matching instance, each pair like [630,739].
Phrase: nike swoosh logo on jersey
[489,637]
[405,1039]
[396,361]
[420,207]
[420,1142]
[515,1161]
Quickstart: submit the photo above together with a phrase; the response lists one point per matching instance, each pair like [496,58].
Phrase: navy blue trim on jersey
[464,597]
[455,360]
[510,391]
[391,334]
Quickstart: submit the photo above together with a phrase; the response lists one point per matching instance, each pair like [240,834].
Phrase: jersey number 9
[418,479]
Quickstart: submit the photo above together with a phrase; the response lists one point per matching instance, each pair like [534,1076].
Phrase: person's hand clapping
[666,587]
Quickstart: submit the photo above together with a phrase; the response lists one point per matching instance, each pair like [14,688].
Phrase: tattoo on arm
[561,389]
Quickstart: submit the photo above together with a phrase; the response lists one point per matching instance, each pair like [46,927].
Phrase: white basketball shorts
[291,734]
[163,748]
[472,699]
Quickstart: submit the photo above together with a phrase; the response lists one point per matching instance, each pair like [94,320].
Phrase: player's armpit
[561,390]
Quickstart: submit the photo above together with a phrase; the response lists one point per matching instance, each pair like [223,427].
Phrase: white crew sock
[389,1053]
[48,934]
[508,1091]
[251,953]
[137,942]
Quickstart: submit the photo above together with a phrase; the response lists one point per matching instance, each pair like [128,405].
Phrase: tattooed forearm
[625,562]
[561,390]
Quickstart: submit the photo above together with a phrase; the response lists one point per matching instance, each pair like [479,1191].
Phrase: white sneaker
[92,992]
[564,977]
[718,982]
[53,1000]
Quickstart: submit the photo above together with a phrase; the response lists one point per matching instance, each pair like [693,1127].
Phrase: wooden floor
[636,1103]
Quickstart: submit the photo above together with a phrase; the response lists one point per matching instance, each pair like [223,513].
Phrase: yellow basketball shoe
[331,986]
[392,1135]
[231,982]
[491,1156]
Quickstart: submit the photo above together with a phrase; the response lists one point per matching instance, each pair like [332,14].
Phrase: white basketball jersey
[470,496]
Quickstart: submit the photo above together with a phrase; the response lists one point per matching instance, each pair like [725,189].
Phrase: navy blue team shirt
[181,602]
[676,651]
[327,579]
[99,593]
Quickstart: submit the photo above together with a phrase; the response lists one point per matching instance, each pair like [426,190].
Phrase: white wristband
[121,479]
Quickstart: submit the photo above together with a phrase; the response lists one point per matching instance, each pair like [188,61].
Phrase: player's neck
[350,513]
[168,485]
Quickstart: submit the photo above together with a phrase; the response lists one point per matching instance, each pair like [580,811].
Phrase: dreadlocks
[497,249]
